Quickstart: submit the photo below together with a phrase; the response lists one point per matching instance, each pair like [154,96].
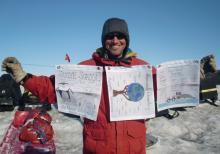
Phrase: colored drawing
[179,95]
[133,92]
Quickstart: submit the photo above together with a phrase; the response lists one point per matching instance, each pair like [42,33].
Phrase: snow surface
[195,131]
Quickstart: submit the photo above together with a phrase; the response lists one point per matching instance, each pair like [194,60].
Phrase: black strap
[172,116]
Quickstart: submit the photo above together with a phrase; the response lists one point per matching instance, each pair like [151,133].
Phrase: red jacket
[100,136]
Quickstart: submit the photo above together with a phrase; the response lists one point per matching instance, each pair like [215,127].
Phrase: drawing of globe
[135,92]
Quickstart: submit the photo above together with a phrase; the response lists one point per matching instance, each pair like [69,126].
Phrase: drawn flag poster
[130,92]
[178,84]
[78,89]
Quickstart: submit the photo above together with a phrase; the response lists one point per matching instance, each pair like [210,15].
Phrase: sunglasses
[113,35]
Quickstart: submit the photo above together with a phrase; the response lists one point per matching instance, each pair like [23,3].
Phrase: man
[101,136]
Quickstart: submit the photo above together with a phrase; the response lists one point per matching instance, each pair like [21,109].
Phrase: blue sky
[40,32]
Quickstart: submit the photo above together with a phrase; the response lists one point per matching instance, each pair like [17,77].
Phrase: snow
[196,130]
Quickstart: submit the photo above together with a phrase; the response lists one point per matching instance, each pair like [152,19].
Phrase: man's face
[115,43]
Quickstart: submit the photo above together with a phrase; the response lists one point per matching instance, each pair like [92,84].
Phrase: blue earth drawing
[135,92]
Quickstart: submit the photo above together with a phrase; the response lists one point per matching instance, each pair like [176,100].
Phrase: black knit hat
[115,25]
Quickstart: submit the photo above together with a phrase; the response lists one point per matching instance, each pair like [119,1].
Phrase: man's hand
[207,65]
[12,65]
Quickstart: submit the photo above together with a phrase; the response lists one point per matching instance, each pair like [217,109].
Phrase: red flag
[67,58]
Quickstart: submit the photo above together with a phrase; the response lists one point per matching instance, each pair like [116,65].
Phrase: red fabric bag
[38,129]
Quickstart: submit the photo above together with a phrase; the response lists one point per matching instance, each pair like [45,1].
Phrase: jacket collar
[101,56]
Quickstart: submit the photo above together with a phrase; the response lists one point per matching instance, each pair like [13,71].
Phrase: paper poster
[130,92]
[178,84]
[78,89]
